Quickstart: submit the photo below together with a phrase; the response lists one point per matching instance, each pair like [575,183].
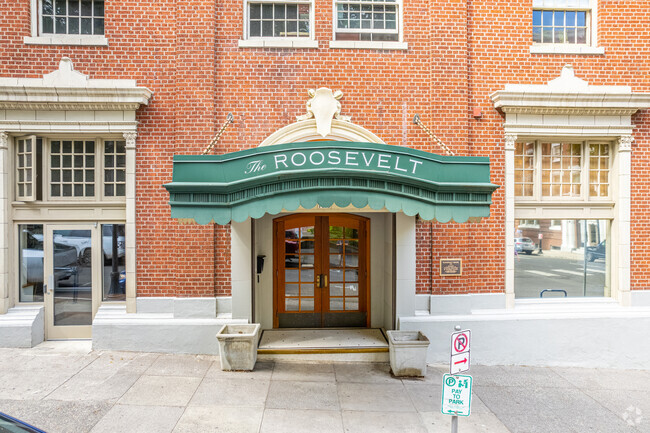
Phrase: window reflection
[30,270]
[562,258]
[114,270]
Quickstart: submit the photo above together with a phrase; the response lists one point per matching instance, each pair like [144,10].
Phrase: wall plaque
[451,267]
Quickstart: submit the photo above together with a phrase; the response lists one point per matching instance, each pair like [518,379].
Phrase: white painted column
[405,269]
[240,259]
[4,222]
[510,218]
[130,241]
[621,248]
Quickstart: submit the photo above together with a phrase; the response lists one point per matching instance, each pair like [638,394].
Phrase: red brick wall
[459,53]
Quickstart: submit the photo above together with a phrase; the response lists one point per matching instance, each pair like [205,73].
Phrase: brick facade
[459,52]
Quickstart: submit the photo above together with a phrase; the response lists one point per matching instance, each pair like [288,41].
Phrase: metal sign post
[456,388]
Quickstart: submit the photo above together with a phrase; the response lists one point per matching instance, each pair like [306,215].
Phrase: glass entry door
[72,271]
[321,271]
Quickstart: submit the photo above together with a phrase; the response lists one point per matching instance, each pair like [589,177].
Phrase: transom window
[368,20]
[71,17]
[269,19]
[561,21]
[562,170]
[74,168]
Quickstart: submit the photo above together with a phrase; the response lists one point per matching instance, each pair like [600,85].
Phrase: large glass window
[269,19]
[72,17]
[30,262]
[561,21]
[114,271]
[562,258]
[366,20]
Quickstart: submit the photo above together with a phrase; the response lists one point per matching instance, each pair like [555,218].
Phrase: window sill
[88,40]
[370,45]
[566,49]
[277,43]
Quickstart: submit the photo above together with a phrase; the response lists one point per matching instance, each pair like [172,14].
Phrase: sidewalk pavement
[65,387]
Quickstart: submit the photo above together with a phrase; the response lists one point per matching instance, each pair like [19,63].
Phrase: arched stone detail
[305,130]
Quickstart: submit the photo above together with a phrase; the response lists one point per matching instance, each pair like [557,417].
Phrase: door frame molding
[278,240]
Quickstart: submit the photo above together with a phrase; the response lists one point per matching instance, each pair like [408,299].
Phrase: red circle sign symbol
[460,342]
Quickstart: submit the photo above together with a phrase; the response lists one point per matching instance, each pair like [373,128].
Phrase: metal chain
[229,119]
[417,121]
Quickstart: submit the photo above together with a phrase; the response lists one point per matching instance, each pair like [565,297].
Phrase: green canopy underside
[287,177]
[358,199]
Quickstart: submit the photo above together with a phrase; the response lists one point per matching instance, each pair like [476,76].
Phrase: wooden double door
[321,265]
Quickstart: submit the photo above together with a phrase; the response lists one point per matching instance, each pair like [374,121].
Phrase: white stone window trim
[564,108]
[591,48]
[279,42]
[38,39]
[68,102]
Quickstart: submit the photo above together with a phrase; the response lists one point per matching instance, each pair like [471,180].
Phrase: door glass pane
[336,304]
[291,290]
[291,304]
[30,268]
[307,304]
[336,289]
[306,290]
[72,253]
[114,272]
[351,304]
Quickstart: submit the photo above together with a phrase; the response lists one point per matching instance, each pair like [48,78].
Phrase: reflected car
[80,240]
[524,245]
[10,424]
[597,252]
[65,259]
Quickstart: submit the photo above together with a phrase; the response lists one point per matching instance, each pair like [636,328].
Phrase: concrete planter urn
[408,353]
[238,346]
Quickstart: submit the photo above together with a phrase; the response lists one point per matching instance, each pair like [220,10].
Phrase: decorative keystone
[323,106]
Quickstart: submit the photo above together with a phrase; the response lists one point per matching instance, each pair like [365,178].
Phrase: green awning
[285,177]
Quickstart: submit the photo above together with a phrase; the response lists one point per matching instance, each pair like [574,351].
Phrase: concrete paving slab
[374,422]
[107,363]
[90,386]
[139,419]
[313,372]
[161,391]
[180,365]
[543,377]
[631,406]
[379,397]
[231,392]
[595,378]
[301,421]
[27,385]
[548,410]
[364,372]
[57,416]
[220,419]
[302,395]
[262,371]
[436,422]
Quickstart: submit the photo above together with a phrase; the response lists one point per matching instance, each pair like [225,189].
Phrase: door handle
[318,286]
[50,284]
[325,277]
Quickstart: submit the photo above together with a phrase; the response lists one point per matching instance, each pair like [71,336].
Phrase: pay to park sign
[456,394]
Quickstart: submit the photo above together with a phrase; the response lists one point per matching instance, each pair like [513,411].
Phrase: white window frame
[38,38]
[279,42]
[25,197]
[584,173]
[99,195]
[590,48]
[376,45]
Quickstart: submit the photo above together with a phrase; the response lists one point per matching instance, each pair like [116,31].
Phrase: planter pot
[408,353]
[238,346]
